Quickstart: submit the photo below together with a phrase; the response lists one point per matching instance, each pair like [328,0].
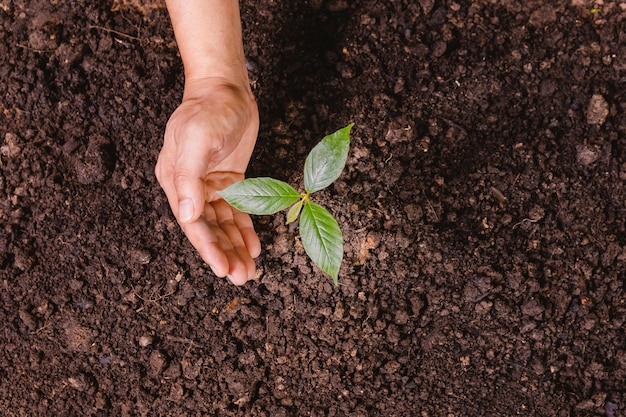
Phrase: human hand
[207,146]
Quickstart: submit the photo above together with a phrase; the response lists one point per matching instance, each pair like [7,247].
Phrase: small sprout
[321,236]
[294,211]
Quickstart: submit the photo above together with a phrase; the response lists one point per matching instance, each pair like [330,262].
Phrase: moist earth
[482,205]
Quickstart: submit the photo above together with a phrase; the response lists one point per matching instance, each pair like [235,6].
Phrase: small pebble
[610,408]
[140,256]
[78,382]
[84,305]
[585,155]
[597,110]
[145,341]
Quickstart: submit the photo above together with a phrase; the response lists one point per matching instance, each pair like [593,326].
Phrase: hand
[207,146]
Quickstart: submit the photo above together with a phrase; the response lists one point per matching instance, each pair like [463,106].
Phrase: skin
[210,137]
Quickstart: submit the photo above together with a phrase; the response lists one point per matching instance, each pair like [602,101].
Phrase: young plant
[321,236]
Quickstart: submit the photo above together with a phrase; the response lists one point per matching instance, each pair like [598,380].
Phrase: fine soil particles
[482,206]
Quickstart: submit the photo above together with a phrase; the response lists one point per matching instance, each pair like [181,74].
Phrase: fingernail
[185,210]
[230,279]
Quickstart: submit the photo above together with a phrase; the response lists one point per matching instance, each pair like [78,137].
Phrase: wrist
[216,84]
[227,74]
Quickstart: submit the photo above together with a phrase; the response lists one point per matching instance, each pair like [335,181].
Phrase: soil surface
[483,210]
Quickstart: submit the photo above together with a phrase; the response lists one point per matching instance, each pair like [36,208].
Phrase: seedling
[321,236]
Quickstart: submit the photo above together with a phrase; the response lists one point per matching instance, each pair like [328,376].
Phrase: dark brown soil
[483,208]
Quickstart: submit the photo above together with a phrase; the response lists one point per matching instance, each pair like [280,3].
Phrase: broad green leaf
[294,211]
[260,195]
[321,238]
[326,160]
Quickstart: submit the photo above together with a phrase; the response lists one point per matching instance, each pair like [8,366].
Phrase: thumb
[191,167]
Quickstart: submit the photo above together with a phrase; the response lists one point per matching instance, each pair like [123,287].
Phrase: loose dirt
[483,208]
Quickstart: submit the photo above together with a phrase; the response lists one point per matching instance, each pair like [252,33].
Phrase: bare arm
[209,38]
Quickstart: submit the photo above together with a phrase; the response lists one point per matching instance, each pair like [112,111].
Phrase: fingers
[222,244]
[205,238]
[246,228]
[242,267]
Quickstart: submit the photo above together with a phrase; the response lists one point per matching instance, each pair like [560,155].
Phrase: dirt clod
[597,110]
[157,362]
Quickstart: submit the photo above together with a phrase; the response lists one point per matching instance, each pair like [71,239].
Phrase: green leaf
[260,195]
[326,160]
[321,238]
[294,211]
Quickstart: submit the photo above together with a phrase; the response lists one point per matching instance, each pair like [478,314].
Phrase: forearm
[208,33]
